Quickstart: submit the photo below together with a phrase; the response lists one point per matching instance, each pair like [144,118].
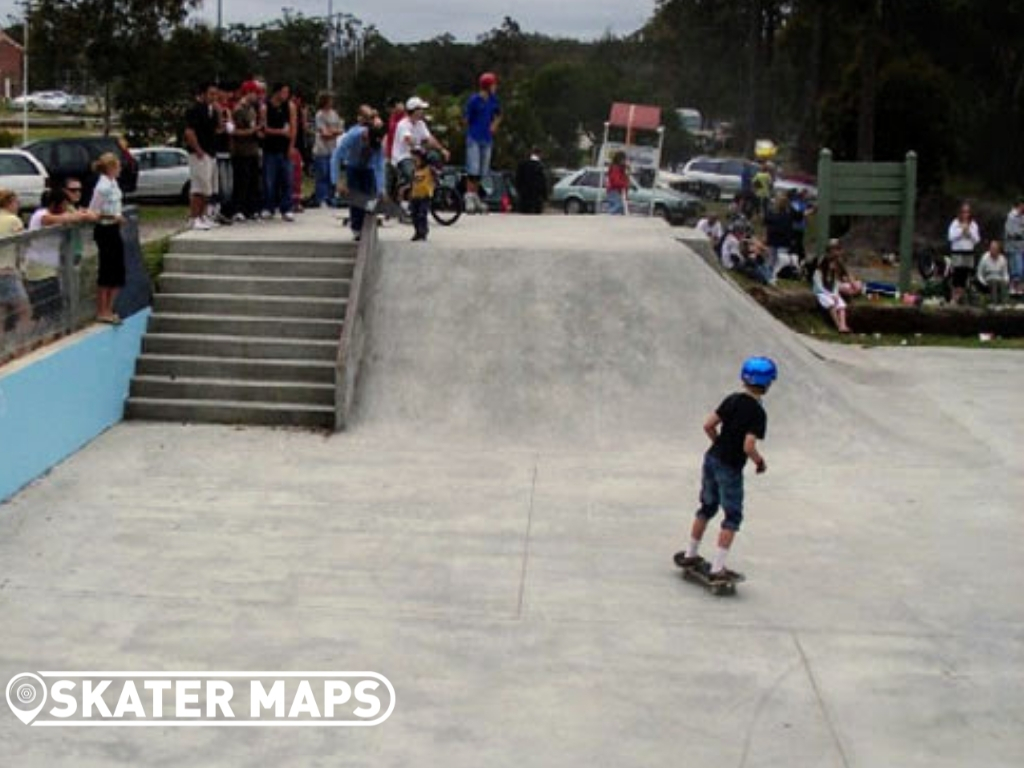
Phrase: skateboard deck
[374,205]
[701,574]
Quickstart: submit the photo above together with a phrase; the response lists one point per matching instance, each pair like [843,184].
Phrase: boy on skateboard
[734,429]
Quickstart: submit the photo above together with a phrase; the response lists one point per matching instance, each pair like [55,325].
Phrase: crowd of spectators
[248,146]
[32,294]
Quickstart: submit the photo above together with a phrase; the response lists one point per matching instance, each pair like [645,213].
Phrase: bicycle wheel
[446,205]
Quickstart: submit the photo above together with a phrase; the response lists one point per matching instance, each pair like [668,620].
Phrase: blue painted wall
[53,404]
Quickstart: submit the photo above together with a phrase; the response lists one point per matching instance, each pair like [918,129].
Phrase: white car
[44,101]
[716,178]
[22,173]
[163,173]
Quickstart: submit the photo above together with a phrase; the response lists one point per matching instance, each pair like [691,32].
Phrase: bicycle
[446,204]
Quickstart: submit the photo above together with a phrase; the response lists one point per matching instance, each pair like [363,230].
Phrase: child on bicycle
[421,192]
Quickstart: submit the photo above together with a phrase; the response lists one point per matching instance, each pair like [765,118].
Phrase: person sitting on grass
[994,274]
[711,227]
[826,289]
[849,285]
[746,255]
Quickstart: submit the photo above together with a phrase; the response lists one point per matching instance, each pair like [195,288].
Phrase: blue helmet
[759,372]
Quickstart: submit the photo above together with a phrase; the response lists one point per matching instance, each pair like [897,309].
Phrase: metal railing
[41,303]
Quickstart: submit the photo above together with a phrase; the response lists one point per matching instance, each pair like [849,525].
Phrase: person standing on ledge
[532,184]
[482,115]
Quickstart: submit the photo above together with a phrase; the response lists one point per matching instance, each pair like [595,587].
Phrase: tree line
[870,79]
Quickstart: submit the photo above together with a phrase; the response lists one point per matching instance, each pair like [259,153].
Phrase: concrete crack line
[762,702]
[833,731]
[526,540]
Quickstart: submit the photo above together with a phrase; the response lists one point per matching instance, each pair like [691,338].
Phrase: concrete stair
[245,332]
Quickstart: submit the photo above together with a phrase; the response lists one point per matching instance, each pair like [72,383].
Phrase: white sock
[691,551]
[719,562]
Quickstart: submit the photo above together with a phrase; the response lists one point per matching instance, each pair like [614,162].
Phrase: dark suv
[75,156]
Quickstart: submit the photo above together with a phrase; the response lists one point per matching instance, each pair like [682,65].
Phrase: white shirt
[42,255]
[963,238]
[106,198]
[408,136]
[732,256]
[713,231]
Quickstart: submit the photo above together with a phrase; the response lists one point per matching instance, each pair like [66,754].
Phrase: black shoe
[725,576]
[683,561]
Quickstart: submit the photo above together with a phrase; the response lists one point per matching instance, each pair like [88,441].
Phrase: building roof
[5,38]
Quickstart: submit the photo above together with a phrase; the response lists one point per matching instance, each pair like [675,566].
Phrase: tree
[110,37]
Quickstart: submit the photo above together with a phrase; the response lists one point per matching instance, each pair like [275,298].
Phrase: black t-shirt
[278,116]
[202,119]
[741,415]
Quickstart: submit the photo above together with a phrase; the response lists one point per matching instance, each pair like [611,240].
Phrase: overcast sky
[413,20]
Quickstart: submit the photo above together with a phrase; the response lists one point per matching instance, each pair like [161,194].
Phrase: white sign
[201,699]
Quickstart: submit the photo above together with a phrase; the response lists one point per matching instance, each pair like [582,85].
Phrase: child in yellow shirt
[420,195]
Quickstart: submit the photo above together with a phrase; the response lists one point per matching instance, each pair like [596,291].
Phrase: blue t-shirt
[480,113]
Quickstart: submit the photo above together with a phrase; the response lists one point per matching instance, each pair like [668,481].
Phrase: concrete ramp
[593,331]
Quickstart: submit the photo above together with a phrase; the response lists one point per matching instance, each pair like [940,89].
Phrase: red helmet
[488,79]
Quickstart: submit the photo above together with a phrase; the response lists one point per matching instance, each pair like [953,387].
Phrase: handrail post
[70,288]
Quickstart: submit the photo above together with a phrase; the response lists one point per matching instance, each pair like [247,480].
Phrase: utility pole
[220,16]
[330,46]
[24,75]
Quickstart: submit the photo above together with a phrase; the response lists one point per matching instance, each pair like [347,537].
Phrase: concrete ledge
[53,403]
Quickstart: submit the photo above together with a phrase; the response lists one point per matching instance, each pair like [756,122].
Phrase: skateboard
[374,204]
[701,574]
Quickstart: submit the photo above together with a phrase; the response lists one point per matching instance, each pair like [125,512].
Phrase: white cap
[415,103]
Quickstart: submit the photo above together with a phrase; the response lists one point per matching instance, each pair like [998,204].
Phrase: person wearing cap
[412,133]
[482,115]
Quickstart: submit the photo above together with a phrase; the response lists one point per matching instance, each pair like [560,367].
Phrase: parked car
[24,174]
[498,188]
[49,101]
[76,103]
[581,192]
[163,173]
[715,178]
[75,156]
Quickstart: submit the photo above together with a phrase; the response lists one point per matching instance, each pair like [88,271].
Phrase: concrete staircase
[245,332]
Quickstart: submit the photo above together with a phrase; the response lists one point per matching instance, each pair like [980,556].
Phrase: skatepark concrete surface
[495,534]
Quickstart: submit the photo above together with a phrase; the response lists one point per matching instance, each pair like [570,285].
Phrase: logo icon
[26,696]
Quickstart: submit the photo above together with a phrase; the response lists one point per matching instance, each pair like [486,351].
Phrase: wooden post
[824,198]
[907,222]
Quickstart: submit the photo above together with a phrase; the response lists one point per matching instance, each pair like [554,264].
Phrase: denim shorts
[12,292]
[478,158]
[721,485]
